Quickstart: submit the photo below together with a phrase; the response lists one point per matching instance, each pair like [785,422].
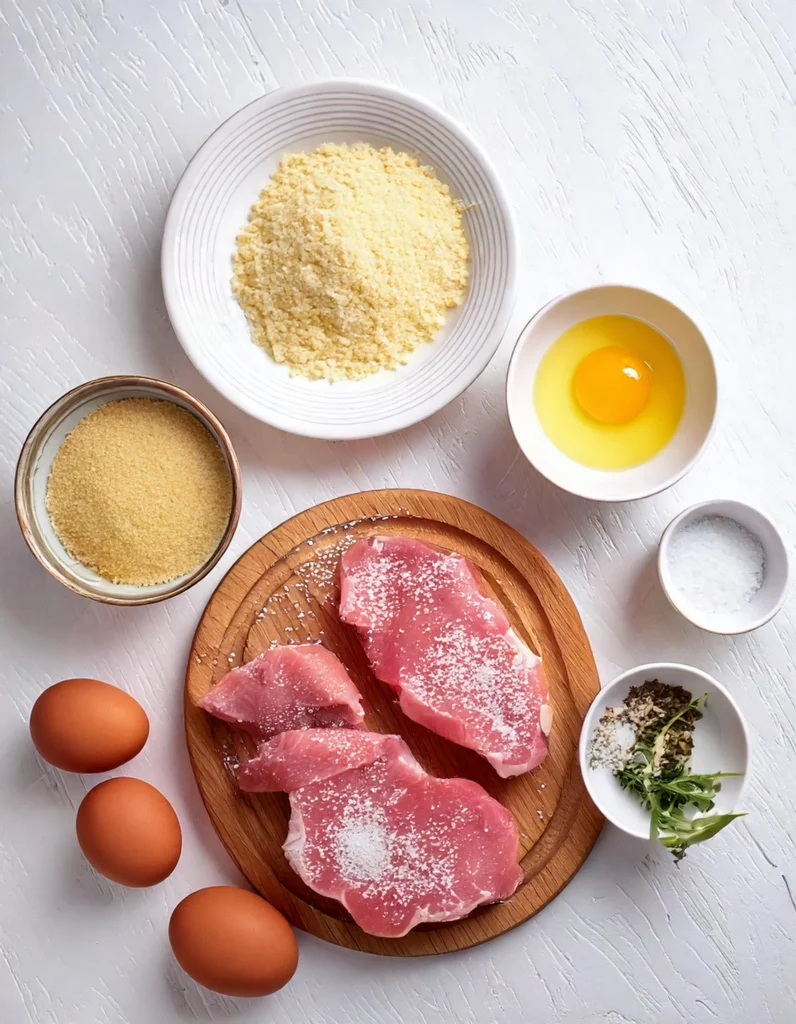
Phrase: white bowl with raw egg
[612,392]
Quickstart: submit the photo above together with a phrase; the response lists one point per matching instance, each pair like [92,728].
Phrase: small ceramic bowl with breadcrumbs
[356,334]
[128,490]
[724,566]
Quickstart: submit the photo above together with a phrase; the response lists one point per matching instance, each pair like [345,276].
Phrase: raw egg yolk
[611,385]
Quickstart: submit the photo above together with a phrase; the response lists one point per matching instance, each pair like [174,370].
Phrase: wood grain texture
[649,143]
[284,590]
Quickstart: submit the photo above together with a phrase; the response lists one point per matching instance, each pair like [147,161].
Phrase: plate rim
[444,396]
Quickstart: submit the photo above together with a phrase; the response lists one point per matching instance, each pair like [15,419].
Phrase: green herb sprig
[662,782]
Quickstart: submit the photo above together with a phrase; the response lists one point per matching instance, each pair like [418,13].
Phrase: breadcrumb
[139,491]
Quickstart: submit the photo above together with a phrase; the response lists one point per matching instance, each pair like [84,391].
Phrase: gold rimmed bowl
[33,470]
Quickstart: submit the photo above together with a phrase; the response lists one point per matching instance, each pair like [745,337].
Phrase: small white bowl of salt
[724,566]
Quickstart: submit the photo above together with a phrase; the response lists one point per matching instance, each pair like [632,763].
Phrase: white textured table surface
[650,143]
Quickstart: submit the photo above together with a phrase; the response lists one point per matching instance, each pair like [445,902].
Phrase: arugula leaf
[677,833]
[655,815]
[663,784]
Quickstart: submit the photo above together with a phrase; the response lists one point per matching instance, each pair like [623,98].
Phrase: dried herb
[657,770]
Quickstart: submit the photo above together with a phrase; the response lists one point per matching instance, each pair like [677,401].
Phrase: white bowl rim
[652,669]
[663,547]
[672,478]
[505,214]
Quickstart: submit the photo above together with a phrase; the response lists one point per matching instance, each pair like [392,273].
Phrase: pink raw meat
[288,687]
[372,829]
[285,766]
[449,651]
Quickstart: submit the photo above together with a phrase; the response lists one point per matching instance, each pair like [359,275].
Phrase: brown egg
[233,942]
[83,725]
[129,832]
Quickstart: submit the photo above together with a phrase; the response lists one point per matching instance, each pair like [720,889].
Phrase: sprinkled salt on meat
[362,846]
[431,633]
[370,828]
[288,687]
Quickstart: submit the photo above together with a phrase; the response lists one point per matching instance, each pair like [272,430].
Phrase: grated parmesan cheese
[351,258]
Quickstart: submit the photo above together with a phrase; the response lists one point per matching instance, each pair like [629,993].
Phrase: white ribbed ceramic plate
[211,205]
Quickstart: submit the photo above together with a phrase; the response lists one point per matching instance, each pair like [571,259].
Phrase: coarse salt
[613,740]
[716,564]
[362,848]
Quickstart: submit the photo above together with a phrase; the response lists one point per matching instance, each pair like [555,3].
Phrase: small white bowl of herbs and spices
[128,490]
[724,566]
[664,753]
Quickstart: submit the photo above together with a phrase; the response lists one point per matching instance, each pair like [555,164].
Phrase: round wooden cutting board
[284,589]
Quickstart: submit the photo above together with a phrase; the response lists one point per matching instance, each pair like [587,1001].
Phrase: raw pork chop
[370,828]
[288,687]
[430,631]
